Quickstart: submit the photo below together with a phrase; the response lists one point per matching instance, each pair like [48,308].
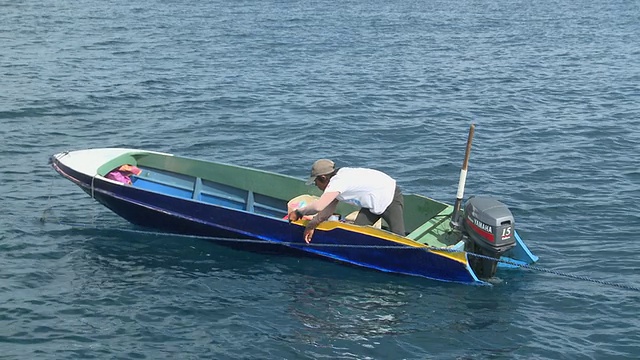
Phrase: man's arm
[320,217]
[323,215]
[321,204]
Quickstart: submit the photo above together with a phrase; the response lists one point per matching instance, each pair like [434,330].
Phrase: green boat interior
[265,193]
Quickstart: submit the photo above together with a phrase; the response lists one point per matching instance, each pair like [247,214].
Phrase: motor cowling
[489,227]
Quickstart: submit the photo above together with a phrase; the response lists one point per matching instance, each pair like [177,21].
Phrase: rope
[554,272]
[93,188]
[316,245]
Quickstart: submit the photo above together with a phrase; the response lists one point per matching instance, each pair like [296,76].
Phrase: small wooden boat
[195,197]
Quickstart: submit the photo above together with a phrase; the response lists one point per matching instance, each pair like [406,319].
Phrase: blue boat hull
[257,232]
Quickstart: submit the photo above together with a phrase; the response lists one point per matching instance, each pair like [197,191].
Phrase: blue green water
[553,86]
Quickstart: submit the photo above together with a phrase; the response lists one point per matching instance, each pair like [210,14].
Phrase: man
[375,192]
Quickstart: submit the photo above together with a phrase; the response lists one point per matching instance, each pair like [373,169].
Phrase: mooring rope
[316,245]
[554,272]
[93,188]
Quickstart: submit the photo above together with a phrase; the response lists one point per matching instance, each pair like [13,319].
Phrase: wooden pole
[463,178]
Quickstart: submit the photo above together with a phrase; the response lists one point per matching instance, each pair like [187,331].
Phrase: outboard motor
[489,227]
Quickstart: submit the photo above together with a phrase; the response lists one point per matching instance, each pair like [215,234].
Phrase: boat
[188,196]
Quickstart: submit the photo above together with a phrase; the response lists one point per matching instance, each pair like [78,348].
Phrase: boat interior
[259,192]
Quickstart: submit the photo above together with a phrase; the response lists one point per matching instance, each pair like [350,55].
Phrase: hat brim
[311,180]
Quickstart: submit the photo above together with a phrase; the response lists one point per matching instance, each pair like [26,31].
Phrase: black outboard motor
[489,227]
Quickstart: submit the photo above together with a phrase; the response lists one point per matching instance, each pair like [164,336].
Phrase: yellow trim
[458,256]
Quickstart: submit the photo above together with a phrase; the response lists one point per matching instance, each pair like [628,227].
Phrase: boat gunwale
[419,209]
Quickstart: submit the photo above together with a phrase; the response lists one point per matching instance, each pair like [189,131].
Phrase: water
[552,86]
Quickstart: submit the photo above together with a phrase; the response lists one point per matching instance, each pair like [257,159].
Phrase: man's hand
[308,234]
[295,215]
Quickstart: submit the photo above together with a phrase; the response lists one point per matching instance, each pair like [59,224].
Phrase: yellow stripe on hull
[385,235]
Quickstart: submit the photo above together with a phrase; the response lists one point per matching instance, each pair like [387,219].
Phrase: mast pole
[463,178]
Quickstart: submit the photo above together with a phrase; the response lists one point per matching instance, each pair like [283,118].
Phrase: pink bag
[119,177]
[122,173]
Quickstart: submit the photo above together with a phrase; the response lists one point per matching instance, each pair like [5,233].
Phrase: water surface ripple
[553,87]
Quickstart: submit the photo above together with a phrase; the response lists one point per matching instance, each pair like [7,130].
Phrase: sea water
[552,86]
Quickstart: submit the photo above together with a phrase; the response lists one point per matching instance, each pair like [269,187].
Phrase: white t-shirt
[366,188]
